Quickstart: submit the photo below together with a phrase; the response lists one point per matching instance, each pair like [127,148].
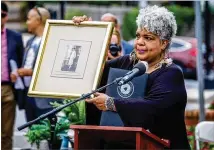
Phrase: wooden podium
[95,137]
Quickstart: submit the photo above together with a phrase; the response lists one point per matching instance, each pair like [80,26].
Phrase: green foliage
[211,106]
[73,12]
[74,114]
[211,8]
[184,17]
[38,132]
[23,11]
[98,2]
[129,24]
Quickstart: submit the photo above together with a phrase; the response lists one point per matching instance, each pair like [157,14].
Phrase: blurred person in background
[11,48]
[126,47]
[115,49]
[36,19]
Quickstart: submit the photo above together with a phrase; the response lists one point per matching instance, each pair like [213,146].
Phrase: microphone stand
[51,115]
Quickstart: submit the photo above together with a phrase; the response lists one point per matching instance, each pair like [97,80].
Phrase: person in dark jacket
[11,49]
[161,110]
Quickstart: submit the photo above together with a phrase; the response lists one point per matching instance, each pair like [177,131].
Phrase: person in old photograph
[161,110]
[72,57]
[66,58]
[69,62]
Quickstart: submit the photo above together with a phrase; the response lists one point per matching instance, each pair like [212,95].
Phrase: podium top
[124,129]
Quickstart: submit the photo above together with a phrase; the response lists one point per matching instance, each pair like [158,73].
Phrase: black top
[92,113]
[162,109]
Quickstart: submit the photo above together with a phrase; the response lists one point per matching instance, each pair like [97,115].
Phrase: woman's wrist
[109,103]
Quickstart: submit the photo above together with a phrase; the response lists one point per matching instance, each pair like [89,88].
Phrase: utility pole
[200,75]
[207,22]
[31,4]
[62,10]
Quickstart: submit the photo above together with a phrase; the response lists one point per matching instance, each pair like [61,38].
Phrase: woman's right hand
[78,19]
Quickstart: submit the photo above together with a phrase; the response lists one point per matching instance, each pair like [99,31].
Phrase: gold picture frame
[71,58]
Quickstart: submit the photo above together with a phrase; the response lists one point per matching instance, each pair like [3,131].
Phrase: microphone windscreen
[142,66]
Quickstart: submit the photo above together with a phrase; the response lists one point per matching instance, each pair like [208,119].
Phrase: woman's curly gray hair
[157,20]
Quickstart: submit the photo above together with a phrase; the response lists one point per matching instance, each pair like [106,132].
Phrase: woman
[73,55]
[161,111]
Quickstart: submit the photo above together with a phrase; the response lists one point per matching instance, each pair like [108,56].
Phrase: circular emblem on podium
[126,90]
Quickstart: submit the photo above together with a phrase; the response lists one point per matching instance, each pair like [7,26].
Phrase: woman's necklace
[166,61]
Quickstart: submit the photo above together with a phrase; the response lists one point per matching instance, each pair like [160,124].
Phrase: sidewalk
[19,140]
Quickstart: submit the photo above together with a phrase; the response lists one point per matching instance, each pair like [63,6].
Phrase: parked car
[183,51]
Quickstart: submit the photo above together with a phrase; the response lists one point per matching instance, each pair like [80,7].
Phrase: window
[176,45]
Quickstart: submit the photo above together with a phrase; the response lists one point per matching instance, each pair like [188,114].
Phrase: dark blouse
[162,109]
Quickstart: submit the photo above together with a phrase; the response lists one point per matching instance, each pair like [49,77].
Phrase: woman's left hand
[78,19]
[98,101]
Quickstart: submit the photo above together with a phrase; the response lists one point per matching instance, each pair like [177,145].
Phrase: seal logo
[126,90]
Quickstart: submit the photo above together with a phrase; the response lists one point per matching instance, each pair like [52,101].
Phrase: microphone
[139,69]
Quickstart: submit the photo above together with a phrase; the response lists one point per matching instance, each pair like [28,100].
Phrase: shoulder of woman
[173,68]
[172,72]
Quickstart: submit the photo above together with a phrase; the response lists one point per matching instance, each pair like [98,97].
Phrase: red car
[183,51]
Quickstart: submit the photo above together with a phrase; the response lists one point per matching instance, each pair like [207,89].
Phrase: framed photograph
[71,58]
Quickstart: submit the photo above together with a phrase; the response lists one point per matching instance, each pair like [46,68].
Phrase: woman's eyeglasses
[37,10]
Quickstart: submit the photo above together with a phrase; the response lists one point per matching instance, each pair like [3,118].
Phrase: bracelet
[109,103]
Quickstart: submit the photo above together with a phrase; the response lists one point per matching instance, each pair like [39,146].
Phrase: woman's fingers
[95,101]
[89,100]
[98,101]
[78,19]
[92,100]
[97,94]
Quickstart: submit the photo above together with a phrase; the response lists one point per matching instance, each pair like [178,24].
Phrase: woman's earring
[133,55]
